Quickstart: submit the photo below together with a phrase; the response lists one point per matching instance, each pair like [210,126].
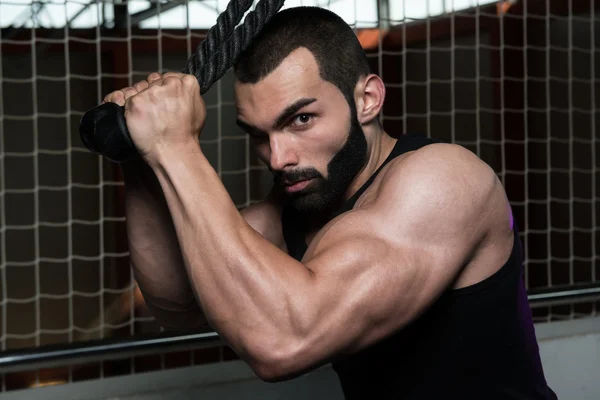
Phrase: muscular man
[396,260]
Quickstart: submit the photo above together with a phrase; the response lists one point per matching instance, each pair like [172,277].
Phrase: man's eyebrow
[247,127]
[281,119]
[291,110]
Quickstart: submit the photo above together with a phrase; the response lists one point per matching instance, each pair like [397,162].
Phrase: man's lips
[296,186]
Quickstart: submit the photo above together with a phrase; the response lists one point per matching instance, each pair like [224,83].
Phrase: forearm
[155,253]
[252,292]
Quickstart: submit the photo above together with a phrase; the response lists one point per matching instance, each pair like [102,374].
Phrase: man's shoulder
[432,175]
[434,158]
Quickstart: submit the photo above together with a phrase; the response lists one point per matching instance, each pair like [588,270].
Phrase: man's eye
[302,119]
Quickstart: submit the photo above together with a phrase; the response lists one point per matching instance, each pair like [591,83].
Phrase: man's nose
[283,153]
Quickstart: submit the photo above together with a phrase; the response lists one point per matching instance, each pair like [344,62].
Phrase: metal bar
[383,14]
[583,292]
[153,11]
[102,350]
[565,301]
[564,295]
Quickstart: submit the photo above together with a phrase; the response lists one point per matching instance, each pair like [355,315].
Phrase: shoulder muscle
[440,180]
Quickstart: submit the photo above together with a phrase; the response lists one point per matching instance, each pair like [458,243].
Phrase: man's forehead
[299,61]
[296,76]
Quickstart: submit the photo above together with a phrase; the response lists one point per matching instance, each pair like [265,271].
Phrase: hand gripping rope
[103,129]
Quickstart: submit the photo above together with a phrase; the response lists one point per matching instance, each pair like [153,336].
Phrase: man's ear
[369,96]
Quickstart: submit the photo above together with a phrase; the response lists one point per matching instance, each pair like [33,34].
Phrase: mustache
[282,177]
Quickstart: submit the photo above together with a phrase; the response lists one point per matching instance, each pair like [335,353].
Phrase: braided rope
[224,45]
[217,34]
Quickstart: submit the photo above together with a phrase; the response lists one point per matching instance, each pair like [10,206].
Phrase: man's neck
[379,147]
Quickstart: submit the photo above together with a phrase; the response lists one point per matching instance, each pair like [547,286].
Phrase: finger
[141,85]
[153,77]
[156,82]
[190,81]
[115,97]
[128,92]
[171,80]
[178,75]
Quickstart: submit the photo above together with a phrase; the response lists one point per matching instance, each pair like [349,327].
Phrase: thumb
[128,105]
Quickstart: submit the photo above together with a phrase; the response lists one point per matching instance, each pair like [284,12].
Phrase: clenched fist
[164,110]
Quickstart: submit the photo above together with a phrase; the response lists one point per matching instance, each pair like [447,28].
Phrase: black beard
[325,194]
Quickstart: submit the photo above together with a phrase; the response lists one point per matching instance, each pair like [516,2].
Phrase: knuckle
[172,80]
[190,80]
[154,76]
[135,102]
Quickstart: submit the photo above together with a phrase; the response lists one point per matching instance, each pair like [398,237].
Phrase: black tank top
[476,342]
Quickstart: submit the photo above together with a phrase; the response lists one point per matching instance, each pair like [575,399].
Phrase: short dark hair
[341,58]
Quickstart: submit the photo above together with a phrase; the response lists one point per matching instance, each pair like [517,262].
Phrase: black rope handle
[231,47]
[199,63]
[103,129]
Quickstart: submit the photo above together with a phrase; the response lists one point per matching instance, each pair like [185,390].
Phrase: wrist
[171,154]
